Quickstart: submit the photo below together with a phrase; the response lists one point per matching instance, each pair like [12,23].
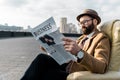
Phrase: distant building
[10,28]
[67,27]
[79,30]
[72,28]
[28,29]
[63,25]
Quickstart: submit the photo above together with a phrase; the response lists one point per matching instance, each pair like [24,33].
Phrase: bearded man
[95,53]
[92,50]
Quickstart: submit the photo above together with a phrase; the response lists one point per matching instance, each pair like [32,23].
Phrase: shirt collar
[90,35]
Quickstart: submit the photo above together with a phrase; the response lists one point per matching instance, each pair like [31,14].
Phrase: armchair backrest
[112,29]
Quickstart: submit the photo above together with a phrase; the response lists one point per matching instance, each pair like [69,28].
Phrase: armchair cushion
[112,29]
[86,75]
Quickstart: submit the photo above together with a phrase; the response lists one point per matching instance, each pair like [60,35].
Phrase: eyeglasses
[84,22]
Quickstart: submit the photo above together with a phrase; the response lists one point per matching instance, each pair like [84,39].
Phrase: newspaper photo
[49,37]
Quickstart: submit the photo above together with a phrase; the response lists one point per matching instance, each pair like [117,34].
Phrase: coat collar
[88,43]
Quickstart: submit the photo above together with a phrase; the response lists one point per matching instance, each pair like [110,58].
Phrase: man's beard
[88,30]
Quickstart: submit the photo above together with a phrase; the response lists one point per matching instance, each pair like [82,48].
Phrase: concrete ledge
[4,34]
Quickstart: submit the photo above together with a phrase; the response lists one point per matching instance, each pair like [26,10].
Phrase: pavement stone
[16,54]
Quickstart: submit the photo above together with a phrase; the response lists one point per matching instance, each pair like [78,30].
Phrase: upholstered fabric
[86,75]
[112,29]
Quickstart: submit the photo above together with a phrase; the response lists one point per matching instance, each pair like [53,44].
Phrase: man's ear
[95,21]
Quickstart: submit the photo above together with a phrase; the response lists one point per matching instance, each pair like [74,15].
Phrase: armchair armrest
[86,75]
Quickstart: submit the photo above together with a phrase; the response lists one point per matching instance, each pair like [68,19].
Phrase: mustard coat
[96,54]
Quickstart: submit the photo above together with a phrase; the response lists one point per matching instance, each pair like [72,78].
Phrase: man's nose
[83,26]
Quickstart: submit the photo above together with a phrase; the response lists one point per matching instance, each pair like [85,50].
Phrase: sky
[33,12]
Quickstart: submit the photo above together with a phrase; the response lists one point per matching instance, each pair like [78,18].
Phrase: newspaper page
[49,37]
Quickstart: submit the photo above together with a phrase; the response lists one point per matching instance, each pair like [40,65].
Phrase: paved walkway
[16,54]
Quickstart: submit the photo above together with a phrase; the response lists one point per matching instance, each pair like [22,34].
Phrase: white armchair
[112,29]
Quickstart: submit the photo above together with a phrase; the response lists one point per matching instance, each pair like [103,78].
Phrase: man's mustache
[84,27]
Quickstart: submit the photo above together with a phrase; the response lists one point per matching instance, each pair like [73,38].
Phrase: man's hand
[71,46]
[42,49]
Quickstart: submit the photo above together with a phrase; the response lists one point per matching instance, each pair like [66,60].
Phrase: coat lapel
[89,41]
[87,44]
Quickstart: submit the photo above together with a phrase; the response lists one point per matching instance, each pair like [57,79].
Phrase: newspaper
[49,37]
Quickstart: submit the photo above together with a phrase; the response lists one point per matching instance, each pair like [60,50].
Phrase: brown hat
[91,13]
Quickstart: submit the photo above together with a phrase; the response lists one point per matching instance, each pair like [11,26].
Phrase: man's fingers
[66,43]
[67,39]
[67,48]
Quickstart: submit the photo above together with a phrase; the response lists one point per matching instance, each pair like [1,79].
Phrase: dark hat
[91,13]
